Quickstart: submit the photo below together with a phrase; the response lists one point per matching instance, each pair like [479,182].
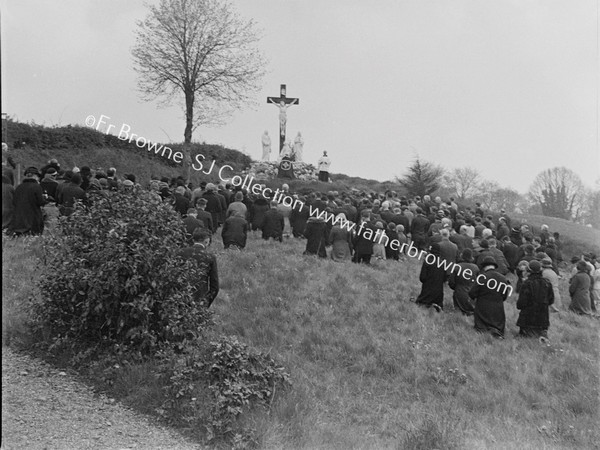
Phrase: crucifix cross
[283,103]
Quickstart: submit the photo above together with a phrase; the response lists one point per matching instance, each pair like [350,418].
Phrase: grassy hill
[576,238]
[369,368]
[34,145]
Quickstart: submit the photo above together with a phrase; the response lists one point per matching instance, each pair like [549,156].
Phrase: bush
[211,386]
[113,277]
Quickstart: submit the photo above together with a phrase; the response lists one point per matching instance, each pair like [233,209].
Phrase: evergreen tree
[422,178]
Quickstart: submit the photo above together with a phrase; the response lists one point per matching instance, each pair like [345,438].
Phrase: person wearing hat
[49,184]
[207,288]
[204,216]
[489,292]
[461,284]
[52,164]
[549,274]
[579,289]
[535,297]
[69,194]
[28,200]
[213,204]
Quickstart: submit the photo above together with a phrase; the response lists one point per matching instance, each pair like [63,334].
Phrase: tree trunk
[187,134]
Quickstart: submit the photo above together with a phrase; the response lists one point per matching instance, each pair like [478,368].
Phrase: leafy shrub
[113,277]
[237,378]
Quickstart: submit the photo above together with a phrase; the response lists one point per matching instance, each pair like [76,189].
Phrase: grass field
[369,368]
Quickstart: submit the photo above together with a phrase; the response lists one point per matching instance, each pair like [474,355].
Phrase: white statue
[282,113]
[266,145]
[286,150]
[298,147]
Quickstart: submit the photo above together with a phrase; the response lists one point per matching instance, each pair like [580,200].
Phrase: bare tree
[199,52]
[462,182]
[559,192]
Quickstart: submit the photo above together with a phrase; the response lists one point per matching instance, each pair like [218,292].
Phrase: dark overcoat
[273,225]
[28,200]
[316,237]
[534,298]
[489,302]
[235,232]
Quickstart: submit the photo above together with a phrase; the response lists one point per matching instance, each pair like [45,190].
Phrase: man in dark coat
[208,284]
[273,224]
[257,213]
[503,229]
[205,217]
[69,194]
[179,202]
[213,204]
[511,253]
[362,242]
[235,230]
[316,237]
[489,292]
[535,297]
[28,200]
[49,184]
[462,239]
[191,223]
[418,230]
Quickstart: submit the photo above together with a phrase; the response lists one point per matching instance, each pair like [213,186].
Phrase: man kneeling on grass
[208,284]
[535,297]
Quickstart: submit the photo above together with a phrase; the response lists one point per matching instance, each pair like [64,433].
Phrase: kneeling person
[208,284]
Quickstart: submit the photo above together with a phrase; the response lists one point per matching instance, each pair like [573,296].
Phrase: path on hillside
[44,408]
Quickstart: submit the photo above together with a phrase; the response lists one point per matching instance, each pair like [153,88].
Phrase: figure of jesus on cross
[283,103]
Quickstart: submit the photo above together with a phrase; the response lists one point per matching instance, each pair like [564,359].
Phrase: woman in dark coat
[257,213]
[432,279]
[579,288]
[535,297]
[489,296]
[341,241]
[298,218]
[462,283]
[28,200]
[316,237]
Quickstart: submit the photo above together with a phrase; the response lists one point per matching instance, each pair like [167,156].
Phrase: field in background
[576,238]
[369,368]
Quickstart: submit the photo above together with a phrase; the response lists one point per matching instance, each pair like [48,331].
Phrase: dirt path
[44,408]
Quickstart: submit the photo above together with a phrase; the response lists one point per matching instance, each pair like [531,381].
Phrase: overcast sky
[508,87]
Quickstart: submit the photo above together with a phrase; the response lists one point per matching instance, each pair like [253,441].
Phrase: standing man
[324,163]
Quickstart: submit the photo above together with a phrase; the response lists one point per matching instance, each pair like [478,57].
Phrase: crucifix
[283,103]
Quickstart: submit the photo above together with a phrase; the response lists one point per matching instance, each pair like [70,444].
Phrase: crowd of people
[486,243]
